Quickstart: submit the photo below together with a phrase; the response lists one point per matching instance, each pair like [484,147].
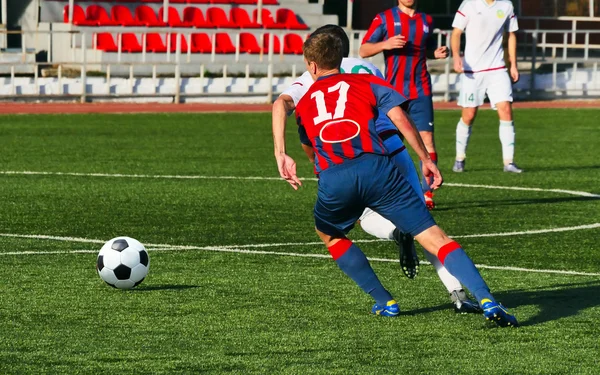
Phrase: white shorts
[474,86]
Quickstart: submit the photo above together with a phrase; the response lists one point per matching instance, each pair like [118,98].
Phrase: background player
[402,34]
[370,221]
[338,114]
[485,22]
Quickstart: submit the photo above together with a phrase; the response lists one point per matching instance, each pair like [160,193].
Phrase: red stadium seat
[195,16]
[267,19]
[98,13]
[173,18]
[276,43]
[223,43]
[154,43]
[221,1]
[254,2]
[105,42]
[129,43]
[177,1]
[201,43]
[241,18]
[292,44]
[184,45]
[123,17]
[249,44]
[152,1]
[218,17]
[78,16]
[290,20]
[198,1]
[146,15]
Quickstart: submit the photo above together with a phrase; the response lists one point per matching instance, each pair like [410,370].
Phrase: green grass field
[239,312]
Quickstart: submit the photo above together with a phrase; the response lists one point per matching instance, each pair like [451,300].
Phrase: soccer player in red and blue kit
[338,115]
[403,35]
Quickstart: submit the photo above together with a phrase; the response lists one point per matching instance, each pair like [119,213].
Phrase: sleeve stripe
[513,16]
[461,13]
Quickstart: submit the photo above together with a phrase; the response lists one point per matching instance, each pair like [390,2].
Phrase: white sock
[507,138]
[463,132]
[450,282]
[376,225]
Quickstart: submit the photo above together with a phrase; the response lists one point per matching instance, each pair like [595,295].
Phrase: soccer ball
[123,263]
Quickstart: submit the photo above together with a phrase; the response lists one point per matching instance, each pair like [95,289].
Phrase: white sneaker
[512,167]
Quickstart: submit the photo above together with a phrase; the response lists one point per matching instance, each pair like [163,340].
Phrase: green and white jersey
[349,65]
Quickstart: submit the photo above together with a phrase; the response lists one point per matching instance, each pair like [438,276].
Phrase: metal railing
[556,55]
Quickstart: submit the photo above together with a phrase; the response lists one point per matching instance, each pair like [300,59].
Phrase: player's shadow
[151,288]
[553,303]
[515,202]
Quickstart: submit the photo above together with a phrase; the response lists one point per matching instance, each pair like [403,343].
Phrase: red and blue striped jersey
[405,68]
[338,115]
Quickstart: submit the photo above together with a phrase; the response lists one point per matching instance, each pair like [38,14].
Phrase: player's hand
[397,41]
[458,64]
[287,170]
[514,74]
[441,53]
[431,172]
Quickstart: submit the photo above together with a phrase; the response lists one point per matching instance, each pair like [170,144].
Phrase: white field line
[244,249]
[191,177]
[300,255]
[282,244]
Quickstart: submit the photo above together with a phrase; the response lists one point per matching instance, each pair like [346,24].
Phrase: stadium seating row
[197,43]
[96,15]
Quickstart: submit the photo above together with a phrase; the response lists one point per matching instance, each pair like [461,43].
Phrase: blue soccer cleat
[459,166]
[390,309]
[498,314]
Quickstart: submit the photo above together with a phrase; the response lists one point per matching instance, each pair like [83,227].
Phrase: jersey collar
[489,5]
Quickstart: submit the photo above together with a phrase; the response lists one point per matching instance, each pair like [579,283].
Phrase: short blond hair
[325,50]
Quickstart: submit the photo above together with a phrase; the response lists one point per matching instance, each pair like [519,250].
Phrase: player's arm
[461,20]
[388,101]
[513,26]
[374,41]
[455,45]
[512,56]
[285,164]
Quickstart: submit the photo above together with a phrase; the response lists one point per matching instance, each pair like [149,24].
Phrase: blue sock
[458,263]
[355,264]
[425,183]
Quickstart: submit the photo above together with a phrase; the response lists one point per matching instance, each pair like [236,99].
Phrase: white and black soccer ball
[123,263]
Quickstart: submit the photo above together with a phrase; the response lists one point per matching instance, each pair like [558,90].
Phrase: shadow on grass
[514,202]
[165,287]
[554,304]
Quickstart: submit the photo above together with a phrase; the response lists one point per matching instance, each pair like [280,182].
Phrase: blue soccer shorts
[421,112]
[371,181]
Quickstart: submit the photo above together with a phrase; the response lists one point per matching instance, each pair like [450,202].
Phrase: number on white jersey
[340,106]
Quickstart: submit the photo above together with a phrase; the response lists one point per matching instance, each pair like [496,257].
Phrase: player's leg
[421,112]
[462,303]
[500,93]
[471,96]
[456,260]
[378,226]
[338,207]
[402,207]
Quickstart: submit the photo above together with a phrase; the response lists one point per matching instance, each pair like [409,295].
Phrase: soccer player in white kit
[484,72]
[370,221]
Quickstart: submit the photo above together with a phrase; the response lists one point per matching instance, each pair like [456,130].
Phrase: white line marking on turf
[257,178]
[301,255]
[243,249]
[246,246]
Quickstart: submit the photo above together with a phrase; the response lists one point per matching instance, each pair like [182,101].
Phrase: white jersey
[485,25]
[349,65]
